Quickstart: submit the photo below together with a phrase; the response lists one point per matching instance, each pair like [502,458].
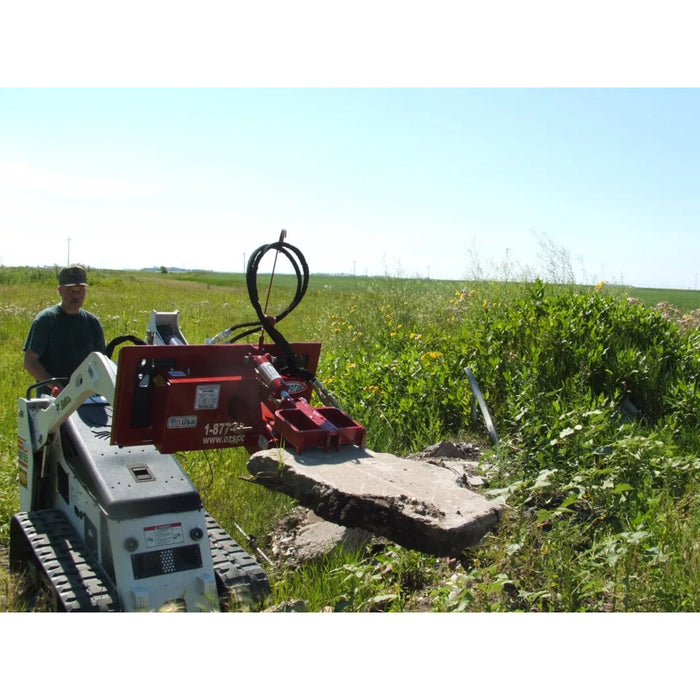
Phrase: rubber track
[238,574]
[62,561]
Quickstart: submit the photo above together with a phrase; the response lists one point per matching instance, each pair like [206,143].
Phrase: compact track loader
[109,519]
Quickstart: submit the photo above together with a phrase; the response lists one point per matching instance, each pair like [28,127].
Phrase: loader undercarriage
[56,567]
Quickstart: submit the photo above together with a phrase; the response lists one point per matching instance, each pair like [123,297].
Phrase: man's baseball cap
[71,276]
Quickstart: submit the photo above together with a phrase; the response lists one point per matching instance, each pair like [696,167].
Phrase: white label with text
[207,397]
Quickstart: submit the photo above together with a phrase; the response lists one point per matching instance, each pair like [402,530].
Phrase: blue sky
[414,182]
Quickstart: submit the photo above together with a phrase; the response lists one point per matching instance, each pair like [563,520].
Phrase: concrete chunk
[413,503]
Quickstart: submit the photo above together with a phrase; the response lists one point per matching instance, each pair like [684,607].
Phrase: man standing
[62,336]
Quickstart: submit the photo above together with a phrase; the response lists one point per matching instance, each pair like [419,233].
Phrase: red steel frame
[198,397]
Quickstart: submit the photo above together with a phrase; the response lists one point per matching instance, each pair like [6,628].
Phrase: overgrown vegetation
[594,396]
[596,401]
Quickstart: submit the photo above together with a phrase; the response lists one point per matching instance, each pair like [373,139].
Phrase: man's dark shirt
[62,341]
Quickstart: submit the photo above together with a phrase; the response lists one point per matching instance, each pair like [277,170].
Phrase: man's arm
[36,369]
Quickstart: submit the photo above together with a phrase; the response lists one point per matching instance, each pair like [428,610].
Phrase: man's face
[72,297]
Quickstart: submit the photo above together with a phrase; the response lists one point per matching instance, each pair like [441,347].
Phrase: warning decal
[207,397]
[163,535]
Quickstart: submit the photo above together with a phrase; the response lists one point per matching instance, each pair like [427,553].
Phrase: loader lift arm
[96,375]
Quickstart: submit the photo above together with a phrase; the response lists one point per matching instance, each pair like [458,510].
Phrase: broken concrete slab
[448,450]
[413,503]
[319,538]
[301,535]
[462,458]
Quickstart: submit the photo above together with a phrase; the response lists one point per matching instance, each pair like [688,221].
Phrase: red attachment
[198,397]
[305,426]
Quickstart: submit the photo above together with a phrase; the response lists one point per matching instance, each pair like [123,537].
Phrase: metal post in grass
[477,396]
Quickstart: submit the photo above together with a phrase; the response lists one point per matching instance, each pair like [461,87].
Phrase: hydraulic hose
[301,270]
[265,323]
[268,323]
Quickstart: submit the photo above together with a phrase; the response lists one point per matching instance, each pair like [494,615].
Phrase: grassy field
[602,509]
[684,299]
